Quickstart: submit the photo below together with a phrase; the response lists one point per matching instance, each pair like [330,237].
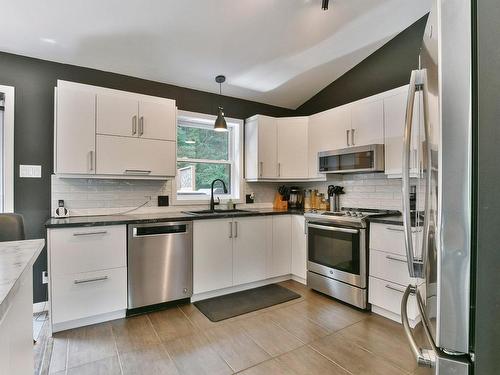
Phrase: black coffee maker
[296,198]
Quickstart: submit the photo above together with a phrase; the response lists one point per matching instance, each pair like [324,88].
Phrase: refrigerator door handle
[415,268]
[424,357]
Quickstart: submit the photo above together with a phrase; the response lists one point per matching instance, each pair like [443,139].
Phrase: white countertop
[16,258]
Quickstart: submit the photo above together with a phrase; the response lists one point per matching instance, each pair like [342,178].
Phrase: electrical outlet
[45,277]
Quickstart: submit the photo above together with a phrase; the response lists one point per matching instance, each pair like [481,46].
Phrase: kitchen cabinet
[394,125]
[104,132]
[367,123]
[292,147]
[299,247]
[126,115]
[281,263]
[249,249]
[327,131]
[260,148]
[88,275]
[212,255]
[276,148]
[135,156]
[74,131]
[388,274]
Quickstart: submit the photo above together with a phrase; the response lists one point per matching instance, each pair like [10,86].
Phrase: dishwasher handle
[160,230]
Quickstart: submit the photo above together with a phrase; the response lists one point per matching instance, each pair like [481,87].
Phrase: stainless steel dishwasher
[160,263]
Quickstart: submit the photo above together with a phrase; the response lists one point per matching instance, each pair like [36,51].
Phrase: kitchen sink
[217,212]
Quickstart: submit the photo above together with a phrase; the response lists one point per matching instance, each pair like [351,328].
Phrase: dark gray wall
[34,81]
[487,178]
[387,68]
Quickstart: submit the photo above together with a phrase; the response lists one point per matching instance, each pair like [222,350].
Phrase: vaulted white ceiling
[279,52]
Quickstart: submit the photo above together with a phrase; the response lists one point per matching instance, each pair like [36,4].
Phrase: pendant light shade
[220,123]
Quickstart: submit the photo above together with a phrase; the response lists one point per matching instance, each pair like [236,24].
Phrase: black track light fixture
[324,4]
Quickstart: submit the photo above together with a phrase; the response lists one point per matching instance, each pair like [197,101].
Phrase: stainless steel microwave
[369,158]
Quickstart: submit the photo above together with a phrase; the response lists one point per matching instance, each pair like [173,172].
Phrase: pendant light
[220,123]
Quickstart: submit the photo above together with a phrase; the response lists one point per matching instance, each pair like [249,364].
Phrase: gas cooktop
[348,216]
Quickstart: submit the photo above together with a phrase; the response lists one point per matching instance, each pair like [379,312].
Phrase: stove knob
[348,213]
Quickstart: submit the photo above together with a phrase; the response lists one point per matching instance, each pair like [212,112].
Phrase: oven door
[337,252]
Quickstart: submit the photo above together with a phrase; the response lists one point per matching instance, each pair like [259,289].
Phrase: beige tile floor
[310,335]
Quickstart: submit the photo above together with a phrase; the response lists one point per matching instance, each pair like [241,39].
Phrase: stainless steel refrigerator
[443,258]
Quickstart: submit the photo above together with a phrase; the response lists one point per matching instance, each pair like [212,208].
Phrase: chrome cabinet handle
[395,288]
[83,281]
[415,268]
[230,229]
[352,137]
[91,160]
[235,229]
[89,233]
[347,133]
[279,169]
[424,357]
[134,125]
[261,166]
[141,126]
[395,229]
[392,257]
[136,171]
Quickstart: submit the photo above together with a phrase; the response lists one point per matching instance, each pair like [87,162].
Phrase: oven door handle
[332,229]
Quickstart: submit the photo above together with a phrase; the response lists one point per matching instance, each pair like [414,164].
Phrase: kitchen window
[203,155]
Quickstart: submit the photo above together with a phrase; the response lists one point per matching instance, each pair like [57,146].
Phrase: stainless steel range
[337,253]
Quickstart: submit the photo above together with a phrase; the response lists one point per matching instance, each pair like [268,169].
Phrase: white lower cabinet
[228,253]
[249,250]
[212,255]
[282,246]
[88,275]
[299,247]
[388,276]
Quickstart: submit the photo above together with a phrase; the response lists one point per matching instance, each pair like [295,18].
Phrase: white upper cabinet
[292,147]
[135,133]
[276,148]
[117,115]
[394,124]
[260,148]
[135,156]
[327,131]
[367,123]
[157,120]
[74,131]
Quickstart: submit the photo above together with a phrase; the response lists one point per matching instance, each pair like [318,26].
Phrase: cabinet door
[327,131]
[252,167]
[75,131]
[157,120]
[292,147]
[394,124]
[367,123]
[249,249]
[267,141]
[135,156]
[282,246]
[117,115]
[299,252]
[212,255]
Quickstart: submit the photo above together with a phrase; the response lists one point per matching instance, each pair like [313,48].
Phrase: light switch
[30,171]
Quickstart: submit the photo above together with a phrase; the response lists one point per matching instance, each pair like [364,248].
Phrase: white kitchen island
[16,305]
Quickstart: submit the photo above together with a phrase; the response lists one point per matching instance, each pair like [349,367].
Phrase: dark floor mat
[234,304]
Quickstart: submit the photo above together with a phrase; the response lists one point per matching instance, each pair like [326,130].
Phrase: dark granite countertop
[101,220]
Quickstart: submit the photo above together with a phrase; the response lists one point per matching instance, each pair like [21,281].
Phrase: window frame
[8,149]
[235,159]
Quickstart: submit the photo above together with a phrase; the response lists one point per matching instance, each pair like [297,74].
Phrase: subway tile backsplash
[86,196]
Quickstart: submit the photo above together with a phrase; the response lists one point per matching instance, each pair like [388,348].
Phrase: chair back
[11,227]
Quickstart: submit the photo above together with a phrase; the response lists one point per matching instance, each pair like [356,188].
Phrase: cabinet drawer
[388,296]
[81,295]
[390,267]
[390,238]
[74,250]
